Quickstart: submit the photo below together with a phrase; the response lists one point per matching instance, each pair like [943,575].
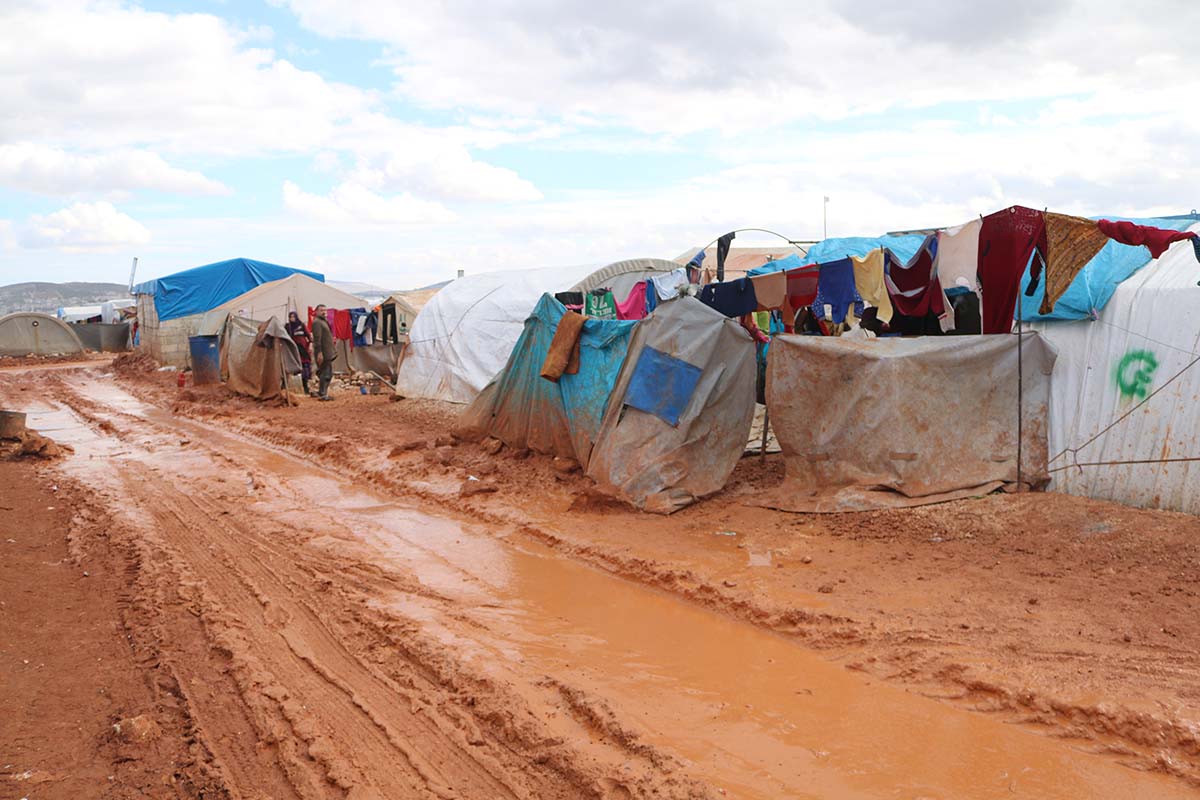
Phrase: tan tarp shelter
[660,467]
[874,423]
[28,333]
[255,357]
[275,299]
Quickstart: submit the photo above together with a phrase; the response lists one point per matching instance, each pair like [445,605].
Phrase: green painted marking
[1135,373]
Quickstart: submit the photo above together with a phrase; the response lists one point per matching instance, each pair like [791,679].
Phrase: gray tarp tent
[255,357]
[873,423]
[660,467]
[28,333]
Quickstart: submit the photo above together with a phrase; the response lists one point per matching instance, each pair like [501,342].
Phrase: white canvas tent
[1116,397]
[463,336]
[79,313]
[275,299]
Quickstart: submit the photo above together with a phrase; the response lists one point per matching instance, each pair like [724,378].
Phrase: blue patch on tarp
[662,385]
[201,289]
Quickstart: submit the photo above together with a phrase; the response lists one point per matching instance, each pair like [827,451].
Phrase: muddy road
[318,613]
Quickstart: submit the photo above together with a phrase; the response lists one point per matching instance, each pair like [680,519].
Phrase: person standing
[323,352]
[300,335]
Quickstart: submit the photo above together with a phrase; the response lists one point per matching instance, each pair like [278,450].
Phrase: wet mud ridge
[329,640]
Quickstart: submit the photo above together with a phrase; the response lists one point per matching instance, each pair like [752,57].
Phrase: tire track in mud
[1147,740]
[251,647]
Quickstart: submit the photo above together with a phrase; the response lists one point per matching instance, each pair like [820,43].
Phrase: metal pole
[1020,389]
[762,450]
[825,219]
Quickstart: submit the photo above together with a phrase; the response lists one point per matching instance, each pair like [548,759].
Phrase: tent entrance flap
[878,423]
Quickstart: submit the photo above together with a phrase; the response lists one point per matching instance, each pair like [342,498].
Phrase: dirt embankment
[1075,615]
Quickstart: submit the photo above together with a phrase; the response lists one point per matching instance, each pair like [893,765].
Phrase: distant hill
[48,297]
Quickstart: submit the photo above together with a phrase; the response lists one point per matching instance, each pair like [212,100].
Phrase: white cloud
[49,170]
[82,227]
[687,66]
[112,78]
[354,205]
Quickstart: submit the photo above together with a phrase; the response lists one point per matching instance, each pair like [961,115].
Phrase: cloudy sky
[394,142]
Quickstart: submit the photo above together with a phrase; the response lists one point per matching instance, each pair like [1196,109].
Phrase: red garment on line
[1006,241]
[913,287]
[634,306]
[1157,240]
[339,323]
[801,293]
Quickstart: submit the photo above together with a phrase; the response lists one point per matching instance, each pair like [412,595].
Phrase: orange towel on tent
[563,355]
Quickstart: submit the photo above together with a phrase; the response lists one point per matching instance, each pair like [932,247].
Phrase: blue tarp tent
[903,246]
[201,289]
[524,410]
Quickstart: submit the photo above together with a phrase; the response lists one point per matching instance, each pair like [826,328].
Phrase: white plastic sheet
[1148,332]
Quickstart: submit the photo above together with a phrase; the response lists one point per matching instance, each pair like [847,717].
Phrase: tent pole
[287,393]
[762,450]
[1020,389]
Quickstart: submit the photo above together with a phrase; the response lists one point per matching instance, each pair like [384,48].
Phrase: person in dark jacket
[300,335]
[323,352]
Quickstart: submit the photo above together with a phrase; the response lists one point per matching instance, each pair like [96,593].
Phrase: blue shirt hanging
[734,298]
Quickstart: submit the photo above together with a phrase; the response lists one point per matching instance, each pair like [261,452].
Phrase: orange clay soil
[338,619]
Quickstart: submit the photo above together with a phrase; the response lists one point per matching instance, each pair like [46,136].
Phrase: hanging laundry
[667,285]
[698,259]
[868,280]
[569,298]
[914,288]
[362,323]
[1156,240]
[770,290]
[662,385]
[1071,242]
[723,253]
[651,300]
[835,288]
[1007,240]
[751,324]
[340,324]
[634,306]
[599,303]
[957,261]
[801,292]
[563,354]
[733,299]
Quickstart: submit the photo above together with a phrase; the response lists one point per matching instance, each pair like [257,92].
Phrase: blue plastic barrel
[206,359]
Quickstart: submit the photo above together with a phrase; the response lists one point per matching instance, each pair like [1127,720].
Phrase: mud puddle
[746,710]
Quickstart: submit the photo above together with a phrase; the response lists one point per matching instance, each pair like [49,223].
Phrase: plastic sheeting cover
[660,467]
[523,409]
[1148,332]
[920,417]
[255,356]
[201,289]
[1094,286]
[463,336]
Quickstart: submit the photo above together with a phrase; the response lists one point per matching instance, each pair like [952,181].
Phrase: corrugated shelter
[172,308]
[874,423]
[29,333]
[256,357]
[680,411]
[1123,418]
[525,410]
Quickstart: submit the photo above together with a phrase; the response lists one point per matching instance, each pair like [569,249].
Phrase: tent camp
[80,313]
[1123,421]
[255,357]
[916,420]
[680,410]
[463,336]
[525,410]
[116,311]
[171,308]
[28,333]
[297,292]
